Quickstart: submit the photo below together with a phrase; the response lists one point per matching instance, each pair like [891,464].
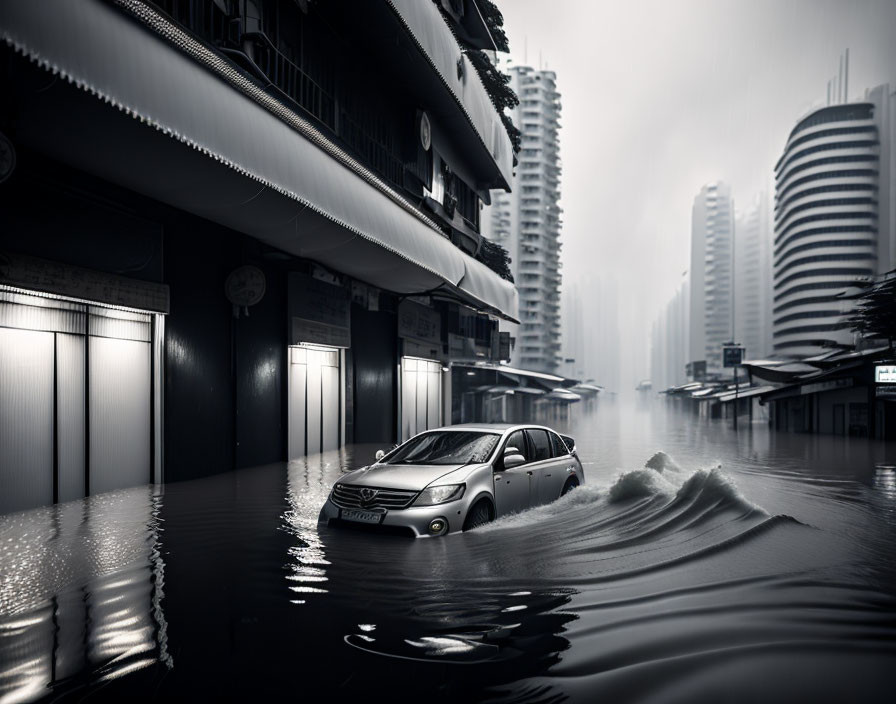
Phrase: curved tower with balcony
[826,225]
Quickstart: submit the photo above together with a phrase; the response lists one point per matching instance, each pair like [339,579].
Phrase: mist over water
[686,569]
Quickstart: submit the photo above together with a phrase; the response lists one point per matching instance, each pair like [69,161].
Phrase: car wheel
[479,515]
[571,484]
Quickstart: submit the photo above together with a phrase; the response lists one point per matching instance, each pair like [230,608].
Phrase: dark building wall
[225,375]
[261,360]
[50,211]
[374,355]
[199,388]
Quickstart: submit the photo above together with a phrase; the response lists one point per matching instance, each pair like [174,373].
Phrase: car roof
[493,427]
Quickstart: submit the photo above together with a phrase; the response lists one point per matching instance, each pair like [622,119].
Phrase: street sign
[732,356]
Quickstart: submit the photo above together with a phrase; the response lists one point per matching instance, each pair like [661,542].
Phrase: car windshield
[445,447]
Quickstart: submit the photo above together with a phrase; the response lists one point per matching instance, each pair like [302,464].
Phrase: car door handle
[529,472]
[497,477]
[547,475]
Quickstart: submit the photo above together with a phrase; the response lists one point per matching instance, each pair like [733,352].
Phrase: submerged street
[748,566]
[599,299]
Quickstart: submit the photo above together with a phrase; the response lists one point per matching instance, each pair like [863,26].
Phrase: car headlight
[440,494]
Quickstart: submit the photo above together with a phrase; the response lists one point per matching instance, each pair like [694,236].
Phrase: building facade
[834,219]
[752,279]
[235,233]
[591,335]
[669,342]
[527,220]
[711,289]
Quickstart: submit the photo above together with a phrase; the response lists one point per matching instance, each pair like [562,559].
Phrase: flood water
[737,567]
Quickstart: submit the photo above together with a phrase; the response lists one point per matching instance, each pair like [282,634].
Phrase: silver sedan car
[456,478]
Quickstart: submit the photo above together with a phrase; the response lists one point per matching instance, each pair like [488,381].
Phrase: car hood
[412,477]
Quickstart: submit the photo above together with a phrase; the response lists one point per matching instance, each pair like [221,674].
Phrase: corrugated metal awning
[779,372]
[561,394]
[146,106]
[745,393]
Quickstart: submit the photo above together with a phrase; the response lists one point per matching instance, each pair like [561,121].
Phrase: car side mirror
[513,459]
[379,455]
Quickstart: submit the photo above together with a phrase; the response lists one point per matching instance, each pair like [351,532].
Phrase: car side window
[518,441]
[560,449]
[541,444]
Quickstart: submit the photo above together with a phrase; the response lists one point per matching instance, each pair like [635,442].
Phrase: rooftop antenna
[846,78]
[526,50]
[840,82]
[829,91]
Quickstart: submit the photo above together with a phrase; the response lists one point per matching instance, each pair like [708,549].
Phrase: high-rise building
[591,341]
[834,219]
[712,228]
[752,279]
[669,342]
[527,221]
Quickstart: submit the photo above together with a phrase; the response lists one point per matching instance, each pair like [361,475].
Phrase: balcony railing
[295,56]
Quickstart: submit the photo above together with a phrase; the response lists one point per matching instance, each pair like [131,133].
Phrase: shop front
[422,377]
[80,402]
[320,331]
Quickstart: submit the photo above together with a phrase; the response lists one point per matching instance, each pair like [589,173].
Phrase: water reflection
[436,602]
[648,582]
[308,482]
[81,589]
[885,480]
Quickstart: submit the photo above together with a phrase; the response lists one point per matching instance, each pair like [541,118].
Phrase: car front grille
[349,496]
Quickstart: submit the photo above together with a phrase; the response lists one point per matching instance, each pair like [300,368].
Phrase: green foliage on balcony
[496,258]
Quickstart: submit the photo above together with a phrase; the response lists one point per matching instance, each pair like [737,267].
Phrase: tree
[496,258]
[494,20]
[874,315]
[497,85]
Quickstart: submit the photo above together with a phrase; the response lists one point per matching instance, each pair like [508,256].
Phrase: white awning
[587,388]
[180,125]
[778,372]
[509,390]
[730,395]
[544,376]
[561,394]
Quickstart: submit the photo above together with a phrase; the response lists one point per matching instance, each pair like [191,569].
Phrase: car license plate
[353,514]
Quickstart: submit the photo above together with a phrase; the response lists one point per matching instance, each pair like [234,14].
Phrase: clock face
[245,286]
[425,132]
[7,158]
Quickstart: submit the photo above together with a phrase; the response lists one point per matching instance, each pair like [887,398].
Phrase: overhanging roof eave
[218,149]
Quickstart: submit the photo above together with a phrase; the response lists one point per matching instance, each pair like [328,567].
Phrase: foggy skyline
[662,98]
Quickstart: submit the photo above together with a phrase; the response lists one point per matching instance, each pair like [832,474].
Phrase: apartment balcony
[271,41]
[252,149]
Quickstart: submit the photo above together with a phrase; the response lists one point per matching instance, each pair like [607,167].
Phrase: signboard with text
[319,312]
[732,356]
[419,323]
[885,374]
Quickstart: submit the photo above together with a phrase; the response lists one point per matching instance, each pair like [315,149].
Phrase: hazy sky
[662,96]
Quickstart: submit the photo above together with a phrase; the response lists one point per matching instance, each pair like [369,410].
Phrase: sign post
[733,356]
